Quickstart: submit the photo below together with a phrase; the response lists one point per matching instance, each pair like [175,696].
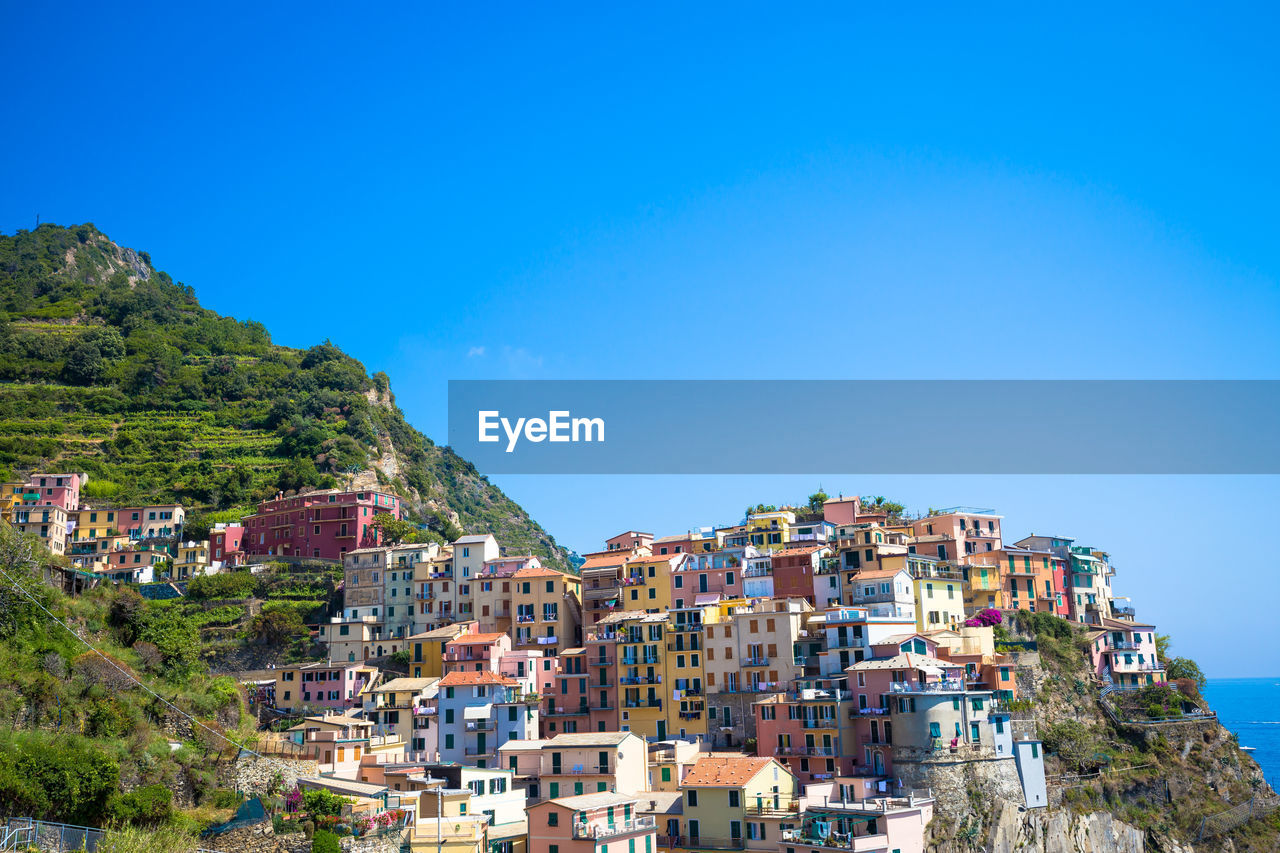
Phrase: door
[662,729]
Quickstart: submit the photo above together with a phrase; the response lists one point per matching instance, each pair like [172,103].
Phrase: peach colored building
[591,823]
[476,652]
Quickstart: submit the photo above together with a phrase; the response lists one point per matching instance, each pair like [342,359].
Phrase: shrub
[325,842]
[318,801]
[984,618]
[148,806]
[228,585]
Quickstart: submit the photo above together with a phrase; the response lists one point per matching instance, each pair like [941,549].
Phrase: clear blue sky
[731,191]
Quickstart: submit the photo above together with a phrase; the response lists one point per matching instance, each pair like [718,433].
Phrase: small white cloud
[521,362]
[475,352]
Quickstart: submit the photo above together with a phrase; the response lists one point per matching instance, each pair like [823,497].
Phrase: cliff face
[1015,830]
[1118,783]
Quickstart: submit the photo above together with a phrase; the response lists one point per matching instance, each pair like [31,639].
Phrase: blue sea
[1250,707]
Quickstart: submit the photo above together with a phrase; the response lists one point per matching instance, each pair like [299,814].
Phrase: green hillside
[109,366]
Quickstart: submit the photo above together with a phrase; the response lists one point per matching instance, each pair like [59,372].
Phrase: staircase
[574,606]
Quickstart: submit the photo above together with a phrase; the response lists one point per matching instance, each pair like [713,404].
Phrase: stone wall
[961,785]
[258,838]
[254,775]
[1003,827]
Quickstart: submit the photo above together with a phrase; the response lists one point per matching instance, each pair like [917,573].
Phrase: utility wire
[131,676]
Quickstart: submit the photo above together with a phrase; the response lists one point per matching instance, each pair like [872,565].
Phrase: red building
[794,568]
[324,524]
[226,544]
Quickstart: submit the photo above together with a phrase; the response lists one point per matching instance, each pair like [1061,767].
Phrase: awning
[477,712]
[705,598]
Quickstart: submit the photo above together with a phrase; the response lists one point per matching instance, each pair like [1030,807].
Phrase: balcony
[690,715]
[645,823]
[755,660]
[602,637]
[547,641]
[584,770]
[819,751]
[481,726]
[1124,612]
[566,712]
[695,842]
[642,703]
[1125,646]
[945,686]
[600,662]
[640,679]
[480,751]
[680,647]
[525,619]
[818,722]
[686,626]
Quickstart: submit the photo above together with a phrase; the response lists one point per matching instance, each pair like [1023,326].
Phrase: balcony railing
[819,751]
[643,823]
[686,626]
[479,751]
[642,703]
[547,641]
[703,842]
[755,660]
[946,686]
[524,619]
[1125,646]
[587,770]
[640,679]
[818,722]
[481,725]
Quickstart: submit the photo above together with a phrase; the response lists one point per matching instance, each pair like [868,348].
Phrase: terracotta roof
[724,771]
[471,639]
[799,549]
[883,573]
[537,573]
[459,679]
[604,561]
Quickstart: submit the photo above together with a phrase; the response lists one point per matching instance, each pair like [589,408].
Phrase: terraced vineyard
[110,367]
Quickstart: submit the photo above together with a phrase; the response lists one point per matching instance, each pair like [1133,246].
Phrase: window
[553,819]
[692,799]
[733,799]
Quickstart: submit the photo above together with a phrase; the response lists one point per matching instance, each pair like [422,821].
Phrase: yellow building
[646,582]
[941,592]
[986,584]
[770,531]
[723,794]
[427,649]
[641,672]
[192,560]
[687,716]
[546,608]
[93,524]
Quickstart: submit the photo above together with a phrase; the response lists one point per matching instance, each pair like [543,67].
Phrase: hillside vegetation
[109,366]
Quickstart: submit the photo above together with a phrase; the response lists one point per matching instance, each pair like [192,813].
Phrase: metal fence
[24,833]
[1226,821]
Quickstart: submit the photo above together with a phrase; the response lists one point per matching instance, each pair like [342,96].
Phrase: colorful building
[324,524]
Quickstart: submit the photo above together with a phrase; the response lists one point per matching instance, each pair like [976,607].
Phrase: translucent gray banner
[866,426]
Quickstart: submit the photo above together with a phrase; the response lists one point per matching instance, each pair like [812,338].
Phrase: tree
[282,625]
[1179,668]
[1163,642]
[318,801]
[84,365]
[817,499]
[396,530]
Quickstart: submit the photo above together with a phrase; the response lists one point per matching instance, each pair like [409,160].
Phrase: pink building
[226,545]
[602,822]
[476,653]
[629,540]
[324,524]
[961,531]
[1125,653]
[57,489]
[717,573]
